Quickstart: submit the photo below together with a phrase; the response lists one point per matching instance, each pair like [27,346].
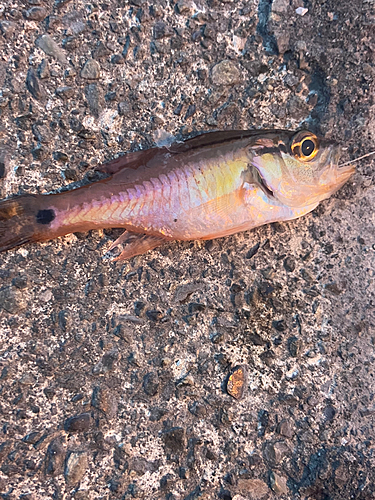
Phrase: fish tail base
[19,221]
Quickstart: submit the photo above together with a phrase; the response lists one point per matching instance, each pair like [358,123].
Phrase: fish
[210,186]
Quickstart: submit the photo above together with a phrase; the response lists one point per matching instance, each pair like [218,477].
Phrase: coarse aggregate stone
[114,376]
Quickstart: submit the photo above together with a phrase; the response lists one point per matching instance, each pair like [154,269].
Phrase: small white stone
[238,43]
[108,118]
[292,374]
[46,296]
[301,11]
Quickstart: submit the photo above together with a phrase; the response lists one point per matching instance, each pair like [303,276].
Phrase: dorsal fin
[128,160]
[139,158]
[214,138]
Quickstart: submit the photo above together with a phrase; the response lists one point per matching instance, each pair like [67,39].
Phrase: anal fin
[131,244]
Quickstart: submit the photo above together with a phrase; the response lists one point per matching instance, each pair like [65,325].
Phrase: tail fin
[18,221]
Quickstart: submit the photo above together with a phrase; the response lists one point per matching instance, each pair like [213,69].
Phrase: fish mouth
[347,171]
[342,172]
[333,176]
[258,179]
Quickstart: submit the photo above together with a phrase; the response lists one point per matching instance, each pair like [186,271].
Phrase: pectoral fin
[130,244]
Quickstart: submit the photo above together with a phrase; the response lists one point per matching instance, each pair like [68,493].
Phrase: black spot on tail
[45,216]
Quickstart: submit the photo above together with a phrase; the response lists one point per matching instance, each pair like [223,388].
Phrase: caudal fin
[18,221]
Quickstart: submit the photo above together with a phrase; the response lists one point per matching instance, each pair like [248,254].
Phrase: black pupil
[308,147]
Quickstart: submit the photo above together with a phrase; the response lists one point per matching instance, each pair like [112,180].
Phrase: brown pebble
[54,460]
[75,467]
[35,14]
[103,400]
[236,382]
[278,484]
[284,428]
[225,73]
[254,489]
[78,423]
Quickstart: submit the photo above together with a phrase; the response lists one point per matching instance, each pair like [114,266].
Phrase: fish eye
[305,146]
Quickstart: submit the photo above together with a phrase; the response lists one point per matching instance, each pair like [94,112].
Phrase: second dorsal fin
[128,160]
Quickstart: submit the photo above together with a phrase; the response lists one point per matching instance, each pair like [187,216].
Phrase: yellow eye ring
[305,146]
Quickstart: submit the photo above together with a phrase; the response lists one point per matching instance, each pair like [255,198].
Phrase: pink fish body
[211,186]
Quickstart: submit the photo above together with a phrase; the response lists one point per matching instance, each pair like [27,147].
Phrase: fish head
[300,169]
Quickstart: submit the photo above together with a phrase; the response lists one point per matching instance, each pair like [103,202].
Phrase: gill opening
[261,182]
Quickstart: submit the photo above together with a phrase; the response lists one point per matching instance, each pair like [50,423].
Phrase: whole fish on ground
[213,185]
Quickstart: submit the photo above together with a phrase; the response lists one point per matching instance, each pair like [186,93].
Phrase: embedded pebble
[198,409]
[9,300]
[65,92]
[101,51]
[75,467]
[163,138]
[151,383]
[60,156]
[184,291]
[282,38]
[7,28]
[174,439]
[184,7]
[294,346]
[43,70]
[50,47]
[2,170]
[280,6]
[289,264]
[162,30]
[225,73]
[297,107]
[254,489]
[35,13]
[301,11]
[91,70]
[74,22]
[20,281]
[27,379]
[78,423]
[285,428]
[278,483]
[237,382]
[46,296]
[54,460]
[93,96]
[103,400]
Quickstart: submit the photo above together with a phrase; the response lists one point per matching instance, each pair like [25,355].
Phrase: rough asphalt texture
[113,376]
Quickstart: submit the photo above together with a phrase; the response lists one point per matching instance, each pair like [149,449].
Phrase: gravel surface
[241,368]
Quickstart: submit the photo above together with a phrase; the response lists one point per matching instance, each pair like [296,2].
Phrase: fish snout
[341,173]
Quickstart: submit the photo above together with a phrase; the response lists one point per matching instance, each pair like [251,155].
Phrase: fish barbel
[213,185]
